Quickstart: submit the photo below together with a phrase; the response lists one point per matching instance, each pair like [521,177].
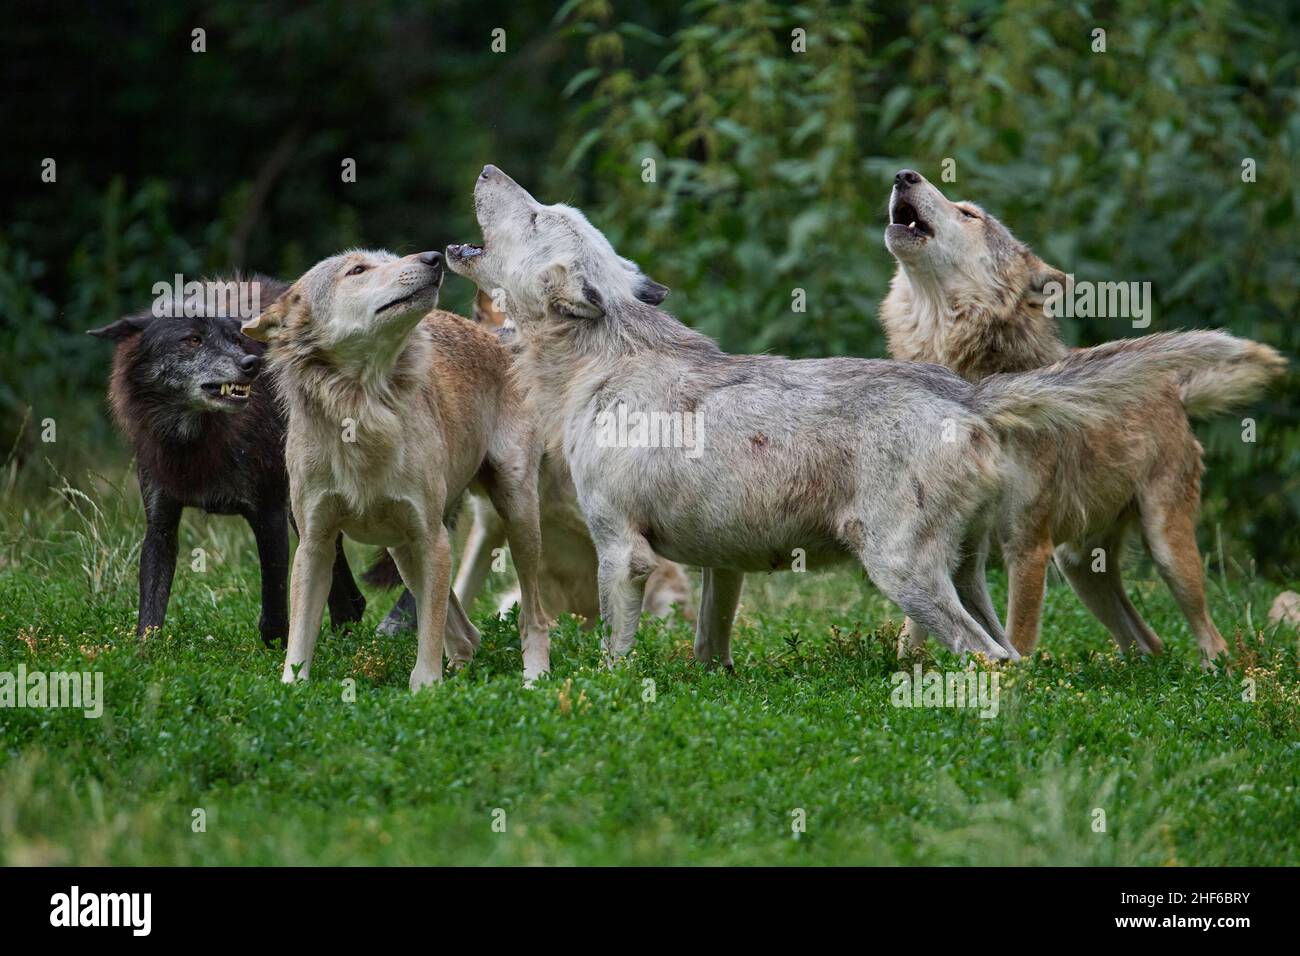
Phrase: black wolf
[208,432]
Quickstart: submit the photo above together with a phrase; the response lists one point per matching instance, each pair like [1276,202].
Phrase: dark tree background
[772,169]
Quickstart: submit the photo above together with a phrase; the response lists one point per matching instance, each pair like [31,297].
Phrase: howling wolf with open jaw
[393,414]
[894,465]
[967,294]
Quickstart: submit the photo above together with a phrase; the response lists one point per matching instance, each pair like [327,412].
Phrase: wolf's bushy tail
[1088,386]
[382,572]
[1227,385]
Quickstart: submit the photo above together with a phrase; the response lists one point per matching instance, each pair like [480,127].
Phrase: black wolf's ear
[572,296]
[124,327]
[651,292]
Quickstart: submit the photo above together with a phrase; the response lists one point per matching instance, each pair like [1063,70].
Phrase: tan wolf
[970,296]
[394,412]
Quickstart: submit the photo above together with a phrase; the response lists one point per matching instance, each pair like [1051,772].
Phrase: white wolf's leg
[1102,593]
[973,589]
[719,595]
[427,572]
[624,564]
[308,588]
[514,495]
[923,588]
[486,534]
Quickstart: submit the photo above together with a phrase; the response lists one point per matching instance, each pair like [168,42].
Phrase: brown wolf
[393,414]
[970,296]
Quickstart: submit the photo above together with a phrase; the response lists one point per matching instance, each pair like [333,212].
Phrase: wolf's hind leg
[1171,537]
[624,565]
[928,596]
[463,637]
[1027,555]
[972,583]
[487,532]
[1102,592]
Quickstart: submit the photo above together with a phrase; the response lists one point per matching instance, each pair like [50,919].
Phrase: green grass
[585,768]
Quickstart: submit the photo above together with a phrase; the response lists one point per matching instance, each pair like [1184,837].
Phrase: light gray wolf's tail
[1088,386]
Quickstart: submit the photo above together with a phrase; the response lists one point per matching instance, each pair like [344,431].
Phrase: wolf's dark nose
[907,177]
[488,170]
[433,259]
[249,364]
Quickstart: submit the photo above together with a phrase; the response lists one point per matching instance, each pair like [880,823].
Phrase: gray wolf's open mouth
[463,251]
[233,393]
[904,213]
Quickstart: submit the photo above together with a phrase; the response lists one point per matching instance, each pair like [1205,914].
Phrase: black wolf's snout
[250,365]
[906,177]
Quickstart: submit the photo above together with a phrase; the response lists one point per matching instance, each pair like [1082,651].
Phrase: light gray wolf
[970,296]
[393,414]
[898,466]
[190,396]
[567,576]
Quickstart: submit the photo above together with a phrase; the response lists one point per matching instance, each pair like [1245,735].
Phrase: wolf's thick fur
[970,296]
[392,415]
[898,466]
[567,576]
[196,447]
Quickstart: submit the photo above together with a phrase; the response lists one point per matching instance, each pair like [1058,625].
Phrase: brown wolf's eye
[356,270]
[968,214]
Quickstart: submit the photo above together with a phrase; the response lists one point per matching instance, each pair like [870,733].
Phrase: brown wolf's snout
[906,177]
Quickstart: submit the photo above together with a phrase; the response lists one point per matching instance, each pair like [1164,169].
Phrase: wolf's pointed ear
[651,292]
[1040,274]
[124,327]
[647,290]
[570,295]
[261,328]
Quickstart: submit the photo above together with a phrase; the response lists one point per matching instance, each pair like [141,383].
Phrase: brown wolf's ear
[572,296]
[1040,274]
[486,312]
[124,327]
[261,328]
